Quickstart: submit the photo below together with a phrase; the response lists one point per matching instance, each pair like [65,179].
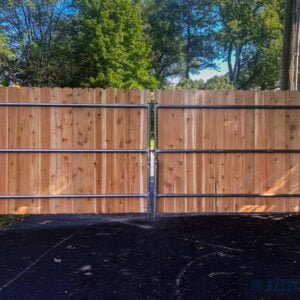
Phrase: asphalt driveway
[198,257]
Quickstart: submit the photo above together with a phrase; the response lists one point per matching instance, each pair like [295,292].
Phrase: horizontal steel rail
[73,196]
[283,151]
[228,195]
[73,150]
[183,106]
[226,107]
[47,150]
[92,105]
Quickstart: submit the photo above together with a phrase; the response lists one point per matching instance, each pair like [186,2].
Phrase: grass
[8,220]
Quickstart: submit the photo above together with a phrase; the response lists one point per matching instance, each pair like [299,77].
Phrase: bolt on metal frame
[227,107]
[80,196]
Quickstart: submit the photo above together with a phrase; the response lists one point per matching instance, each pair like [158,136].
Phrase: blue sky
[207,74]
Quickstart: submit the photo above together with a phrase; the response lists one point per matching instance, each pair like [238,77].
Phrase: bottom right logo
[269,286]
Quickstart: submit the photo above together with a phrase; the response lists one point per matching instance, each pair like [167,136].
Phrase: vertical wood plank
[119,143]
[190,159]
[54,144]
[260,143]
[44,143]
[13,142]
[230,159]
[110,144]
[89,143]
[165,141]
[293,142]
[249,170]
[159,145]
[220,98]
[200,174]
[100,135]
[66,159]
[209,142]
[179,129]
[4,132]
[239,143]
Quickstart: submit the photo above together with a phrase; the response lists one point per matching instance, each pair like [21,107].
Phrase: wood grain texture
[73,173]
[234,173]
[108,128]
[4,162]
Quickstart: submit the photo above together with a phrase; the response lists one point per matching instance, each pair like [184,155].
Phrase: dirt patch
[9,220]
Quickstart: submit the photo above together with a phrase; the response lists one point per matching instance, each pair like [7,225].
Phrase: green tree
[111,48]
[37,33]
[181,33]
[164,34]
[251,37]
[219,83]
[6,56]
[198,24]
[189,84]
[214,83]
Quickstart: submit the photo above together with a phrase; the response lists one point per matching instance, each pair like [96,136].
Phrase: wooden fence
[265,174]
[72,128]
[227,152]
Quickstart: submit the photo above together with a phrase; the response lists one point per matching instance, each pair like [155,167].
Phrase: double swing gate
[116,151]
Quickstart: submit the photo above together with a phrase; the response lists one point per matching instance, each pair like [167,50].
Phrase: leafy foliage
[164,34]
[140,43]
[189,84]
[214,83]
[6,55]
[251,39]
[36,32]
[111,46]
[219,83]
[182,36]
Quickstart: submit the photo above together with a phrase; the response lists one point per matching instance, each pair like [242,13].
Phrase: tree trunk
[290,46]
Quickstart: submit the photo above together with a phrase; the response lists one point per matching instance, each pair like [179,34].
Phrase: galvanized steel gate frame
[81,105]
[152,194]
[156,195]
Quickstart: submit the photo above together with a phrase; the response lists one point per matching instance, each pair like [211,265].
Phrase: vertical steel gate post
[151,165]
[149,197]
[155,156]
[152,213]
[155,187]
